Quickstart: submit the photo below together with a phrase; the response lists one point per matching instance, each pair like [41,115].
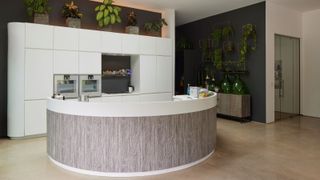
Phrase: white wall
[310,69]
[283,21]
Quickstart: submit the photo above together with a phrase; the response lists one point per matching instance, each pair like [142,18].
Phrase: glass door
[287,77]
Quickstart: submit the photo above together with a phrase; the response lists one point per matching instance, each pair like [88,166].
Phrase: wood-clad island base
[130,144]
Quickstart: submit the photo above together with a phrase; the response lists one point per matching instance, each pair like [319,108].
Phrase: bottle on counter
[188,90]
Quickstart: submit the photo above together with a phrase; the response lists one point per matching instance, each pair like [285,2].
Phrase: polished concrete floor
[288,149]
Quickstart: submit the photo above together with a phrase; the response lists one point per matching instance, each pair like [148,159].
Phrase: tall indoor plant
[107,14]
[38,9]
[71,12]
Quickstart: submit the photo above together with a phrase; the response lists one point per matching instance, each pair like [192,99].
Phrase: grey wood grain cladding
[138,144]
[234,105]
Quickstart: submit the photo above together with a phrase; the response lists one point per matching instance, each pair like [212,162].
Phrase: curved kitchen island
[132,138]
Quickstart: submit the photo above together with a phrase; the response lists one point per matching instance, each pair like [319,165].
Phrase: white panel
[35,117]
[148,69]
[89,40]
[111,99]
[66,38]
[39,36]
[156,97]
[133,98]
[15,112]
[111,42]
[89,63]
[65,62]
[164,46]
[164,74]
[147,45]
[130,44]
[38,74]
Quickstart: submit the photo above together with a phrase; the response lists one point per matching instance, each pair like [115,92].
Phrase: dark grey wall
[14,11]
[255,80]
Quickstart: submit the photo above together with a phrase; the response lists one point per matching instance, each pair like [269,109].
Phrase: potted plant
[107,14]
[38,9]
[132,27]
[70,11]
[154,28]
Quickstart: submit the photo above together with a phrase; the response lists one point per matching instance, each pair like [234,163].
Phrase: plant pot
[132,30]
[108,28]
[41,18]
[73,22]
[154,33]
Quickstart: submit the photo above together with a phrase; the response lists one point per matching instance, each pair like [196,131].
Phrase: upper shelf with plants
[107,16]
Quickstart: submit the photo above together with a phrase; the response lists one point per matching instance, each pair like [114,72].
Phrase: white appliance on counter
[66,85]
[90,85]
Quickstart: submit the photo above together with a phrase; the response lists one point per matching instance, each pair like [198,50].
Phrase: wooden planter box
[234,105]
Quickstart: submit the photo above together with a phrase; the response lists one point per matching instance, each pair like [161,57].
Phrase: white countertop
[179,105]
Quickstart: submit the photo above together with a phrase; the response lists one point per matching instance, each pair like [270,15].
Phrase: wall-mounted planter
[132,30]
[73,22]
[41,18]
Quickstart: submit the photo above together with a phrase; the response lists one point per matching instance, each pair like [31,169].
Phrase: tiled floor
[288,149]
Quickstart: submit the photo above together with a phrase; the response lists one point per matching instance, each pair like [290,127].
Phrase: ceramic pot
[132,30]
[226,86]
[73,22]
[239,87]
[41,18]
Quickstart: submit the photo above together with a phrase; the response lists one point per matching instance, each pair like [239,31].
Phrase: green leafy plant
[155,26]
[107,14]
[218,58]
[37,6]
[227,34]
[216,37]
[132,19]
[248,34]
[71,10]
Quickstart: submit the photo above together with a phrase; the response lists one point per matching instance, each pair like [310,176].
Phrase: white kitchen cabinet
[130,44]
[164,46]
[148,69]
[38,74]
[111,42]
[89,63]
[164,74]
[147,45]
[65,62]
[89,40]
[35,117]
[39,36]
[66,38]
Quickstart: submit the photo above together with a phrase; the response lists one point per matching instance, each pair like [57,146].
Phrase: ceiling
[299,5]
[190,10]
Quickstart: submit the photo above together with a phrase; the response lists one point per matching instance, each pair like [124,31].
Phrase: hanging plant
[107,14]
[218,59]
[248,34]
[216,37]
[227,34]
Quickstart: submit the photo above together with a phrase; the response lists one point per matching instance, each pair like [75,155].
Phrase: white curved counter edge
[133,174]
[131,109]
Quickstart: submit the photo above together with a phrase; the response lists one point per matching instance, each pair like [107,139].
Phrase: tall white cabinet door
[164,74]
[164,46]
[38,74]
[66,38]
[89,40]
[148,69]
[65,62]
[111,42]
[147,45]
[130,44]
[89,63]
[39,36]
[35,117]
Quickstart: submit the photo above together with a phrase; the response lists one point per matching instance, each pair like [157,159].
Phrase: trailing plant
[107,14]
[218,58]
[217,37]
[248,41]
[227,34]
[132,19]
[37,7]
[71,10]
[155,26]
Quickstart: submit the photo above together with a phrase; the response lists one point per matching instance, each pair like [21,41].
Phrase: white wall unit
[89,40]
[89,63]
[35,117]
[164,46]
[66,38]
[38,74]
[147,45]
[65,62]
[111,42]
[148,69]
[39,36]
[164,74]
[130,44]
